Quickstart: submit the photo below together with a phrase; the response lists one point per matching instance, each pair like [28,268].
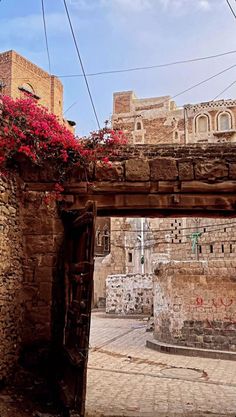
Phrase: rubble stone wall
[129,294]
[11,277]
[195,304]
[42,237]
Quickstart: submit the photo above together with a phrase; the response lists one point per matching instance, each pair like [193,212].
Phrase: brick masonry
[195,304]
[129,294]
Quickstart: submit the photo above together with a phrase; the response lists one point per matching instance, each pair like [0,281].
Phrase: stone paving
[127,379]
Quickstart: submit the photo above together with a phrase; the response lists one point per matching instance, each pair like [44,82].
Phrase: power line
[94,74]
[226,89]
[231,8]
[187,89]
[81,63]
[45,35]
[202,82]
[171,230]
[169,64]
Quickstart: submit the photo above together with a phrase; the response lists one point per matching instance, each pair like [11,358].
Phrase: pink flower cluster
[29,129]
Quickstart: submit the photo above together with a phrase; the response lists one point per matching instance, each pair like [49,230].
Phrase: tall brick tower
[18,76]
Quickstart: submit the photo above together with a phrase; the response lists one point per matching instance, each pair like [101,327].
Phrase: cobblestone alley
[127,379]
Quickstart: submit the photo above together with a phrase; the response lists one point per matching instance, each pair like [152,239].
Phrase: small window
[130,257]
[138,126]
[176,236]
[224,122]
[172,224]
[211,248]
[106,241]
[222,248]
[204,229]
[179,240]
[230,248]
[176,135]
[225,229]
[202,124]
[99,239]
[199,249]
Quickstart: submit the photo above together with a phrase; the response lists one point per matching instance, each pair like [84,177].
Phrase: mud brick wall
[129,294]
[195,304]
[11,277]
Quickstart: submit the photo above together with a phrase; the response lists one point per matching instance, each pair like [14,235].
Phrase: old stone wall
[129,294]
[42,238]
[195,304]
[11,277]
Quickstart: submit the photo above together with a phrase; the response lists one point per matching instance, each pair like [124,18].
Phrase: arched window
[224,121]
[202,125]
[139,125]
[27,88]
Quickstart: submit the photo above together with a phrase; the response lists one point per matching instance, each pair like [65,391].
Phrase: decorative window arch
[27,88]
[202,123]
[224,121]
[139,125]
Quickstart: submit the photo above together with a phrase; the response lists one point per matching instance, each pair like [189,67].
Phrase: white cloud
[186,5]
[140,6]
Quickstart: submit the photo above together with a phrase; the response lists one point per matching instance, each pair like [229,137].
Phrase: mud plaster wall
[195,304]
[11,277]
[129,294]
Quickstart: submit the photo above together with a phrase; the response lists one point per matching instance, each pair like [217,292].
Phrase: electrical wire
[169,64]
[189,88]
[171,230]
[225,89]
[117,71]
[45,35]
[202,82]
[231,8]
[81,62]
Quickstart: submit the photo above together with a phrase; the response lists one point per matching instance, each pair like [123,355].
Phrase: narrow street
[127,379]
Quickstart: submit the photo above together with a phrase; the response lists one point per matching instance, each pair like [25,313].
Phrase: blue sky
[116,34]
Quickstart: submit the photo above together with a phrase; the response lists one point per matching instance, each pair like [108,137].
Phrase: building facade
[138,245]
[19,76]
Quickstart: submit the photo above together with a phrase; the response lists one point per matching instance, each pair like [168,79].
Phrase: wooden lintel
[205,187]
[119,187]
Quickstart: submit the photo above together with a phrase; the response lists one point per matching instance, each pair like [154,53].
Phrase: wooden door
[78,292]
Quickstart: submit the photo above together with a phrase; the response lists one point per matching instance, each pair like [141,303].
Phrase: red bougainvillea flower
[29,129]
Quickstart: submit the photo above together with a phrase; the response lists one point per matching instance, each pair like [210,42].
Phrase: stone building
[19,76]
[136,248]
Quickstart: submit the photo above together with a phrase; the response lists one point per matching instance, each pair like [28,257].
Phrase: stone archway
[158,181]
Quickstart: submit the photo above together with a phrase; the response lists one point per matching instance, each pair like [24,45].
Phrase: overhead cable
[168,64]
[231,8]
[181,228]
[203,81]
[225,89]
[81,62]
[117,71]
[45,35]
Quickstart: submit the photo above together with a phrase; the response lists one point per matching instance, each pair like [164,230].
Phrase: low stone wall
[129,294]
[195,304]
[11,277]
